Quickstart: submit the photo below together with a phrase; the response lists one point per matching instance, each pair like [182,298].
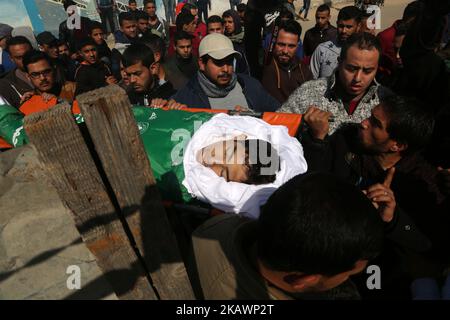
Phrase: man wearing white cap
[217,86]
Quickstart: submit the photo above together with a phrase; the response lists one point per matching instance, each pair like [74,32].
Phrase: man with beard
[92,73]
[182,66]
[48,91]
[325,58]
[15,83]
[217,86]
[367,154]
[141,70]
[348,95]
[285,67]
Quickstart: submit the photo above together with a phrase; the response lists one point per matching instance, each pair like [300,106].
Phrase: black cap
[46,37]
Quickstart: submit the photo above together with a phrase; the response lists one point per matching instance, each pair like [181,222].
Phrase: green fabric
[11,126]
[165,134]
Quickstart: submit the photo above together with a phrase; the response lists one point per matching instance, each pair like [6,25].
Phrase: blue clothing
[6,64]
[257,98]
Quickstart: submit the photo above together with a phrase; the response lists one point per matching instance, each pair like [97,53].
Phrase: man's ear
[201,65]
[302,282]
[154,68]
[359,27]
[398,147]
[157,56]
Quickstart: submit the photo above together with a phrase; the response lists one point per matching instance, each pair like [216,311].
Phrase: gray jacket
[321,93]
[324,59]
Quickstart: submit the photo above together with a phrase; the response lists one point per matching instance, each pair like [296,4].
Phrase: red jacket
[387,41]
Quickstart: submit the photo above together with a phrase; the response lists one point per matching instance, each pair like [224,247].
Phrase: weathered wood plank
[109,118]
[67,160]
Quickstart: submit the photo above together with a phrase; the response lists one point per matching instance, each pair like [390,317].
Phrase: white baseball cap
[217,46]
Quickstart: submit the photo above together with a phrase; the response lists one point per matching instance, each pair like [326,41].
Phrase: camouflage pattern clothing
[322,94]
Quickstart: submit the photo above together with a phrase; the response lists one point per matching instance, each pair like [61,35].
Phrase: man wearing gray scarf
[217,86]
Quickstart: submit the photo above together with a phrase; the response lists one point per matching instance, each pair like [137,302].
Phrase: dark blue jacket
[257,98]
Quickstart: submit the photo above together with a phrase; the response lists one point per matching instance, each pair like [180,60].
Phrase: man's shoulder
[328,46]
[319,85]
[248,79]
[221,224]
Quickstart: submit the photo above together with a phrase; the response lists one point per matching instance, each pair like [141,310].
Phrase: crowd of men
[375,110]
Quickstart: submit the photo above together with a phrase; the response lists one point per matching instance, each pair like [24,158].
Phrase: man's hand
[444,180]
[111,80]
[47,96]
[171,104]
[26,96]
[317,121]
[383,197]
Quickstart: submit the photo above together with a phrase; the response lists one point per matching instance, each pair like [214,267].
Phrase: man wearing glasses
[48,92]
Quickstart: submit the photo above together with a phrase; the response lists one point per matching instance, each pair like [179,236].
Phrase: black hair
[260,157]
[363,40]
[68,3]
[285,14]
[149,1]
[141,15]
[412,10]
[14,41]
[323,8]
[401,29]
[95,25]
[181,35]
[136,53]
[188,7]
[155,43]
[182,19]
[34,56]
[350,12]
[214,19]
[87,41]
[236,20]
[409,121]
[128,16]
[318,224]
[241,7]
[131,1]
[291,26]
[60,43]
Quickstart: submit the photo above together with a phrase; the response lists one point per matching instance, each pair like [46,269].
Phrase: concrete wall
[38,238]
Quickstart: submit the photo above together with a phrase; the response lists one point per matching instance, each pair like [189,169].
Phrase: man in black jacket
[182,66]
[367,155]
[15,83]
[141,69]
[92,73]
[217,86]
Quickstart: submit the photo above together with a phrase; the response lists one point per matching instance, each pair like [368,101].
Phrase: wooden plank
[64,153]
[109,118]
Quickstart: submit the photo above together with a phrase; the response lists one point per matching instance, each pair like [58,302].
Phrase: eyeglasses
[45,73]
